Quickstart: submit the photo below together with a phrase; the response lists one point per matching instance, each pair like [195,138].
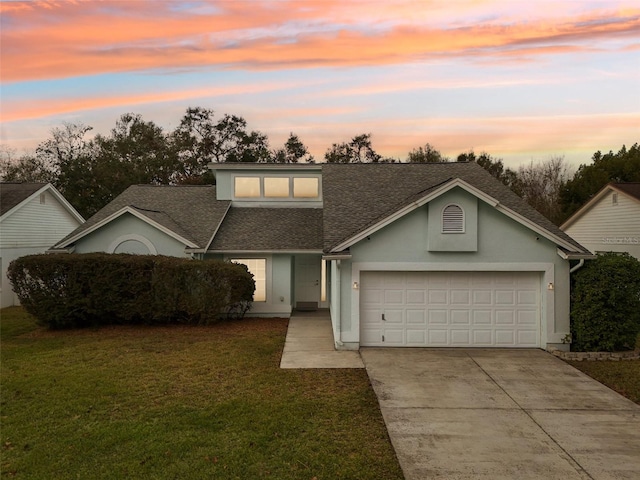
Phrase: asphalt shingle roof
[270,229]
[12,194]
[630,188]
[357,196]
[190,211]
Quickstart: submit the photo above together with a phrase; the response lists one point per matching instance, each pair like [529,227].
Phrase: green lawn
[180,402]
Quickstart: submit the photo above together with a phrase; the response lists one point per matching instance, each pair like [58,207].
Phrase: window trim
[462,220]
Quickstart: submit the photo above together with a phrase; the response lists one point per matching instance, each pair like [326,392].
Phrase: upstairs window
[305,187]
[247,187]
[452,219]
[276,187]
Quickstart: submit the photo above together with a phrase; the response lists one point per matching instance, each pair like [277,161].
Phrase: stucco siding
[606,227]
[120,230]
[37,224]
[503,244]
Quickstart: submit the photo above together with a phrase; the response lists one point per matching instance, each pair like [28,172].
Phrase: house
[33,216]
[610,221]
[401,254]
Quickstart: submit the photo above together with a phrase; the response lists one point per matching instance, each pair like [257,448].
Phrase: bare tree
[541,183]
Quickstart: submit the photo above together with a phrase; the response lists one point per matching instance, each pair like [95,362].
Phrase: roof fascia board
[48,187]
[119,213]
[412,206]
[575,256]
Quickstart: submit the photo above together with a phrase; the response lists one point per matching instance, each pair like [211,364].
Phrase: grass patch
[180,402]
[621,376]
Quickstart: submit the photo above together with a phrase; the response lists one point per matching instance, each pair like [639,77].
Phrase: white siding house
[610,221]
[34,217]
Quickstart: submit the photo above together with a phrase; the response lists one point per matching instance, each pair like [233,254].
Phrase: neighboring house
[610,221]
[33,216]
[402,254]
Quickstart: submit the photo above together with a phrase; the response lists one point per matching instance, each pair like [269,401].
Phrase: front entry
[307,281]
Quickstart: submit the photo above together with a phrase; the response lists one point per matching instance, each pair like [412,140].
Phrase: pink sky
[520,80]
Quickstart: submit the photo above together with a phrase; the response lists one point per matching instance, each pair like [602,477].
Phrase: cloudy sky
[521,80]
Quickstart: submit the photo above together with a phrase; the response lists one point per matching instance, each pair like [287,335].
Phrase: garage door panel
[480,309]
[528,317]
[417,297]
[416,317]
[393,316]
[460,317]
[505,297]
[438,317]
[505,337]
[460,338]
[394,296]
[482,297]
[482,317]
[483,338]
[438,338]
[416,337]
[438,297]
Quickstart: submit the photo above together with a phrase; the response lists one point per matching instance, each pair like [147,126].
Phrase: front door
[307,279]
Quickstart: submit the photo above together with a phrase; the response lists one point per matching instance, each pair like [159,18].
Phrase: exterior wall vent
[452,219]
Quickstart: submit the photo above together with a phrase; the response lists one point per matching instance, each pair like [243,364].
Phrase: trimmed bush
[605,304]
[79,290]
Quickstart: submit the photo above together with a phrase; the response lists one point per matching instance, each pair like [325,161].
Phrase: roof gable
[360,198]
[14,195]
[187,213]
[631,190]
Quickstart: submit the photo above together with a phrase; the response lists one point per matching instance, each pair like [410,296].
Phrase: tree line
[92,172]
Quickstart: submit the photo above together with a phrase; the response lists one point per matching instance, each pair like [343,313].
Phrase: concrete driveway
[501,414]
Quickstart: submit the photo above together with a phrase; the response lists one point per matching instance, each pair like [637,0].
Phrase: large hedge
[78,290]
[605,304]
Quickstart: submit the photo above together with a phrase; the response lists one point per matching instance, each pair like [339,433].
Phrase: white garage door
[450,309]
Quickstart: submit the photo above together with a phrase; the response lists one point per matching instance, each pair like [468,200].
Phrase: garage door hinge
[383,317]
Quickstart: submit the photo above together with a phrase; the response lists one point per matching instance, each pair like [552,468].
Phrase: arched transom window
[453,219]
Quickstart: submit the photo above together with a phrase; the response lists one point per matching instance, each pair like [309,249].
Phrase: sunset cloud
[517,79]
[44,40]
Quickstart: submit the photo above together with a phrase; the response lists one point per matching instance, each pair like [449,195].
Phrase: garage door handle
[383,317]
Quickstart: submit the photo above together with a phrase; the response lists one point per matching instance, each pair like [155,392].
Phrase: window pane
[247,187]
[276,187]
[258,267]
[305,187]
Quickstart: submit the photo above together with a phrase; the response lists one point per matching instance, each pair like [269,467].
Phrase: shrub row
[605,304]
[79,290]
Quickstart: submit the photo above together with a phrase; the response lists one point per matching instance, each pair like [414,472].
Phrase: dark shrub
[605,304]
[67,291]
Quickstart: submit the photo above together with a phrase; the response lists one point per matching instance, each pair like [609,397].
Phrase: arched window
[453,219]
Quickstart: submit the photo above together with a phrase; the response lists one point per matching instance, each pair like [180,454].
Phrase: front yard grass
[622,376]
[180,402]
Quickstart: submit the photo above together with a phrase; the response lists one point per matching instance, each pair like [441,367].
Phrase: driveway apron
[501,414]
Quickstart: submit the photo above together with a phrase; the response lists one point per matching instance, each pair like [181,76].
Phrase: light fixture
[550,286]
[355,285]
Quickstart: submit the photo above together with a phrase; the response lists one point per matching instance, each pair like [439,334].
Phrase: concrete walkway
[309,344]
[501,414]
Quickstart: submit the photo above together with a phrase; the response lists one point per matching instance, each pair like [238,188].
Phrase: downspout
[339,304]
[576,267]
